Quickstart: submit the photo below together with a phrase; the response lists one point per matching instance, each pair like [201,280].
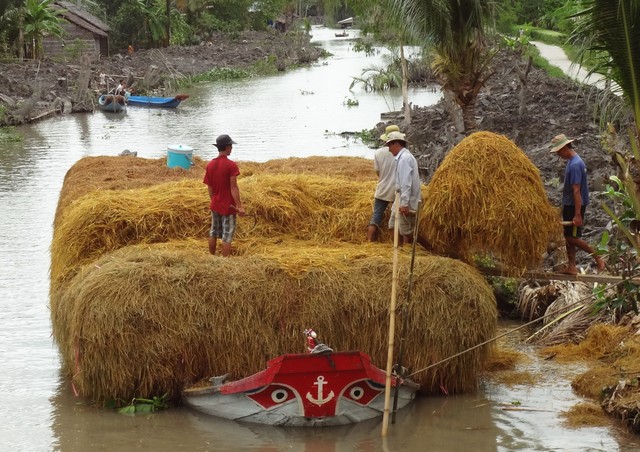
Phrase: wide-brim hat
[224,140]
[388,130]
[559,141]
[395,136]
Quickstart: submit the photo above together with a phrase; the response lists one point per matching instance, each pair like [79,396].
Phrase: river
[295,114]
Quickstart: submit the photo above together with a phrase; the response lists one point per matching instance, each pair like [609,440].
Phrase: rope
[508,332]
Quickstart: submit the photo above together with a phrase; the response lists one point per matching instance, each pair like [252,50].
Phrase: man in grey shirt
[407,185]
[385,166]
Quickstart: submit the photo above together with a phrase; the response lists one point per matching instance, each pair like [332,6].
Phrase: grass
[9,135]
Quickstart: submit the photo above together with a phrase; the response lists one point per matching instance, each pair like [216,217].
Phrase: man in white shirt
[407,184]
[385,193]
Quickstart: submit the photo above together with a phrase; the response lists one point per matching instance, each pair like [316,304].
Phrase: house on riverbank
[83,34]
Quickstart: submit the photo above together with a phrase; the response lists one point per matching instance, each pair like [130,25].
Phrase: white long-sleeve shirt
[407,179]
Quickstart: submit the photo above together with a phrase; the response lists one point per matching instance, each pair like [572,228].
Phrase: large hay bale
[293,206]
[145,320]
[487,198]
[126,172]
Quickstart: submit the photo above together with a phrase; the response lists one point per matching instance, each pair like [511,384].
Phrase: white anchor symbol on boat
[321,400]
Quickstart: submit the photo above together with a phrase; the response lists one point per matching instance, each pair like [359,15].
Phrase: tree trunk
[469,116]
[405,87]
[454,111]
[168,25]
[523,86]
[20,40]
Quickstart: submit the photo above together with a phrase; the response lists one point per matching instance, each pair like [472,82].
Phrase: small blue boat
[157,102]
[111,103]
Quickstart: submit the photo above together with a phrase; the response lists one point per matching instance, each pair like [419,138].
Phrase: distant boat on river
[113,103]
[157,102]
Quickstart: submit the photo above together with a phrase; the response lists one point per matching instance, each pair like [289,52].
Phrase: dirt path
[557,57]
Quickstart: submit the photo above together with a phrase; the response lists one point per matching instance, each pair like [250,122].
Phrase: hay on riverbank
[487,198]
[303,207]
[150,319]
[612,380]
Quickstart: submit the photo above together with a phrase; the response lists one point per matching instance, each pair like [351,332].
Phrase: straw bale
[125,173]
[290,206]
[150,319]
[488,198]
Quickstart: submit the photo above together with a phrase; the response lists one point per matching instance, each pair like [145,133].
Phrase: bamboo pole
[392,318]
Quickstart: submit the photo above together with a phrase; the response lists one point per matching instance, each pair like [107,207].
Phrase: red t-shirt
[217,176]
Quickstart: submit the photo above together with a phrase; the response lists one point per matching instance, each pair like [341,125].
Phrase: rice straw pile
[123,173]
[487,198]
[140,308]
[150,319]
[297,206]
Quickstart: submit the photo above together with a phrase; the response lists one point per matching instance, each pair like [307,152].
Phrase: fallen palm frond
[150,319]
[569,316]
[488,198]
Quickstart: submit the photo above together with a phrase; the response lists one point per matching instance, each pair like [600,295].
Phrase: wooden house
[84,33]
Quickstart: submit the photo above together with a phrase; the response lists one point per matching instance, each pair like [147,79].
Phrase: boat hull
[111,103]
[156,102]
[303,391]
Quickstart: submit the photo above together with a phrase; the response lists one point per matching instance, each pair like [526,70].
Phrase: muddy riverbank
[36,89]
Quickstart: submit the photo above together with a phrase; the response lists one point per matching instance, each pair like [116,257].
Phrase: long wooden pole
[392,318]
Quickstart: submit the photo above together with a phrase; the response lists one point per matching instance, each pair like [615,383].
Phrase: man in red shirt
[221,179]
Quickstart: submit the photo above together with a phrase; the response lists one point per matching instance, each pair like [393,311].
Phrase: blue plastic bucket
[179,155]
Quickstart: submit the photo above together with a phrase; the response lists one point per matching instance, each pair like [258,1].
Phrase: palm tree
[15,17]
[456,29]
[40,19]
[610,31]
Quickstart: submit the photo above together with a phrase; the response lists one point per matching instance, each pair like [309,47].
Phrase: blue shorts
[379,207]
[568,212]
[222,226]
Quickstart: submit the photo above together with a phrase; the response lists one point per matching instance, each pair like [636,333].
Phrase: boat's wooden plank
[552,276]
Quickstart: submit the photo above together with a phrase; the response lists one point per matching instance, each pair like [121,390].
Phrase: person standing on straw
[407,185]
[575,199]
[221,179]
[384,164]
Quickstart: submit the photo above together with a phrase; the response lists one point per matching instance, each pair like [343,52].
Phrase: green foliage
[621,250]
[127,27]
[140,405]
[368,137]
[8,134]
[74,49]
[611,28]
[266,66]
[217,74]
[351,102]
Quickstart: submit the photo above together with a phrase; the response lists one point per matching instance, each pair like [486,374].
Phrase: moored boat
[114,103]
[158,102]
[319,389]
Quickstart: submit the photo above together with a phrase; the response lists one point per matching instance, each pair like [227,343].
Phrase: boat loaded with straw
[140,308]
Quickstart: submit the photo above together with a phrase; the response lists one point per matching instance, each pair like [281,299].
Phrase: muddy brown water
[300,113]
